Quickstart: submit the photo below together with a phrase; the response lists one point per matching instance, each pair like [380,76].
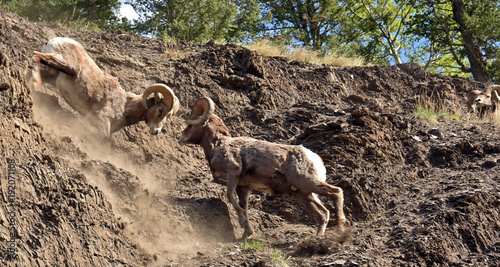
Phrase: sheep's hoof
[341,223]
[340,228]
[247,234]
[243,221]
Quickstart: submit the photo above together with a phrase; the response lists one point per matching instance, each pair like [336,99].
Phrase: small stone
[319,127]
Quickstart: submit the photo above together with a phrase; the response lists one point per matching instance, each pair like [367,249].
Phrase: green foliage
[91,14]
[373,30]
[382,30]
[435,34]
[426,113]
[280,257]
[433,115]
[245,25]
[450,37]
[431,111]
[484,25]
[275,255]
[252,244]
[312,23]
[461,37]
[196,21]
[225,246]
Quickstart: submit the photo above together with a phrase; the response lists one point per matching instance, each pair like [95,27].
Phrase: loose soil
[417,192]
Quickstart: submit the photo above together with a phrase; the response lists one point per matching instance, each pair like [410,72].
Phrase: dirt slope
[416,193]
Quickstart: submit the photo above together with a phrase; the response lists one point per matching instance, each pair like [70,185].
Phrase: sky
[127,11]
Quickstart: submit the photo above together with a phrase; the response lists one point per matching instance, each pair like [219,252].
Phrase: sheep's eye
[160,112]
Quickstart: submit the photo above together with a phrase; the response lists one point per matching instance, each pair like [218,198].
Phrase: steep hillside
[416,193]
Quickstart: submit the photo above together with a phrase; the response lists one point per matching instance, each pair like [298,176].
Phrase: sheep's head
[482,98]
[200,114]
[161,109]
[478,100]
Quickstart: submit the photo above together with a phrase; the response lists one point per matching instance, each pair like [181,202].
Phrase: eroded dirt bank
[416,193]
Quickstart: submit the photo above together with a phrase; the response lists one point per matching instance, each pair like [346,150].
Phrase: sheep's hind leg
[243,196]
[337,194]
[312,204]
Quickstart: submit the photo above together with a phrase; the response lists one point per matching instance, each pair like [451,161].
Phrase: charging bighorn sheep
[65,64]
[479,101]
[244,163]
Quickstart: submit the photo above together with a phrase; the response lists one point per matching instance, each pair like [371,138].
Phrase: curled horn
[175,108]
[201,111]
[495,93]
[169,97]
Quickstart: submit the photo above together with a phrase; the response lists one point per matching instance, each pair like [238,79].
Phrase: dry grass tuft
[175,53]
[266,49]
[432,107]
[303,54]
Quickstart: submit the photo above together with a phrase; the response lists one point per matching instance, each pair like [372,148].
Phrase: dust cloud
[166,226]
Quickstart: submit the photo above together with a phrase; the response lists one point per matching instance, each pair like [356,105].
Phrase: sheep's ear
[57,62]
[473,94]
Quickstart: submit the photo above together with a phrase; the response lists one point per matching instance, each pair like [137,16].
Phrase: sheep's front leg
[219,177]
[232,183]
[243,196]
[32,76]
[104,130]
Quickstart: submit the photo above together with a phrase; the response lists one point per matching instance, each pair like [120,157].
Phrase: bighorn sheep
[244,163]
[478,101]
[65,64]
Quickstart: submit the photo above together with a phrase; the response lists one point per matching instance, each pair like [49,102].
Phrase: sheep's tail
[317,162]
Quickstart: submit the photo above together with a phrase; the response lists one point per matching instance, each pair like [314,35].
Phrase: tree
[464,32]
[371,29]
[311,23]
[246,21]
[196,20]
[380,26]
[100,13]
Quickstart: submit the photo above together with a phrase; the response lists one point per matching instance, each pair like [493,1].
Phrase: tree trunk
[477,63]
[91,11]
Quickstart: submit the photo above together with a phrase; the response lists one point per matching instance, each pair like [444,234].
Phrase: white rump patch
[317,163]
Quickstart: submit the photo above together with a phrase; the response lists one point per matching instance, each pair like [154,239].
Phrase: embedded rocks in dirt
[416,192]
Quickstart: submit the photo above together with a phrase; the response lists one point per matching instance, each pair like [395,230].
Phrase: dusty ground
[417,193]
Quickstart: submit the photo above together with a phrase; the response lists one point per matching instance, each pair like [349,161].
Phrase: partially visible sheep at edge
[65,64]
[245,164]
[481,101]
